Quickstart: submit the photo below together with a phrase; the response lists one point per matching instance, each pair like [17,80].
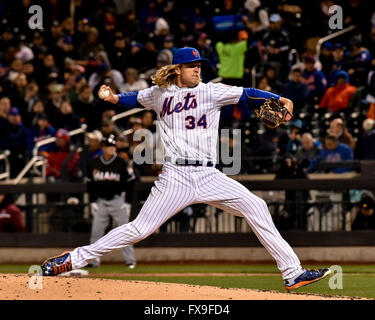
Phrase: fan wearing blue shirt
[333,151]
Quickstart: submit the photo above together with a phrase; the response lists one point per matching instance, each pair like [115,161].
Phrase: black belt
[189,162]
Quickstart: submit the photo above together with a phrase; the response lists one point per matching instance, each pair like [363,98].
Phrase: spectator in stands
[333,151]
[108,127]
[164,58]
[338,97]
[94,144]
[91,45]
[5,105]
[31,95]
[38,45]
[11,217]
[29,70]
[296,90]
[338,54]
[257,20]
[15,68]
[108,114]
[273,79]
[161,30]
[263,84]
[83,27]
[147,56]
[358,61]
[42,129]
[130,26]
[62,163]
[109,29]
[17,92]
[276,44]
[120,52]
[199,20]
[91,150]
[326,58]
[365,218]
[168,43]
[66,118]
[69,86]
[22,52]
[366,145]
[148,16]
[67,26]
[337,128]
[104,73]
[268,144]
[47,68]
[232,58]
[309,151]
[87,108]
[132,81]
[148,121]
[315,80]
[15,141]
[37,108]
[67,53]
[79,82]
[207,51]
[294,144]
[183,35]
[54,102]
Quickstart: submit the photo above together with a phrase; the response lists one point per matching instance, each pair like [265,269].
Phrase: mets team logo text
[190,103]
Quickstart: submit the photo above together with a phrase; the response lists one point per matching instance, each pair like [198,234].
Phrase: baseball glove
[273,113]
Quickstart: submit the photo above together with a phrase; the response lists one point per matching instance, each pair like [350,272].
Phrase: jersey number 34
[191,122]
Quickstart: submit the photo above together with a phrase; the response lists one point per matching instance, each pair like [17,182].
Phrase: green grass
[353,286]
[358,280]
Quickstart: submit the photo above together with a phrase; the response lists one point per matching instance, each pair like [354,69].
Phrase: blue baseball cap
[14,111]
[187,55]
[342,74]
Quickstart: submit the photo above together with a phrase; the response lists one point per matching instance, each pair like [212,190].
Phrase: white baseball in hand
[103,93]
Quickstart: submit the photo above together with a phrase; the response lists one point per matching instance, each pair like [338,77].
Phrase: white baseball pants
[181,186]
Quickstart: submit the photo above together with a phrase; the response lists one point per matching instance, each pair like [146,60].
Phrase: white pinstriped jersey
[189,117]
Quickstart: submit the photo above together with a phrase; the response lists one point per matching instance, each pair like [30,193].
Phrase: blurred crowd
[49,78]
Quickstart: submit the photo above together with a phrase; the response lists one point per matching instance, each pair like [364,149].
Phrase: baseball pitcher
[188,116]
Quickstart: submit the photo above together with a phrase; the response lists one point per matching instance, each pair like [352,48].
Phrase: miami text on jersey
[179,106]
[105,175]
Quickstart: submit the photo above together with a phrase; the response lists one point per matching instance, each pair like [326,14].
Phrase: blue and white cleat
[309,276]
[56,265]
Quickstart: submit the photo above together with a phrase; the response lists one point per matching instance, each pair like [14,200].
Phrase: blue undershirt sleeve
[256,96]
[129,100]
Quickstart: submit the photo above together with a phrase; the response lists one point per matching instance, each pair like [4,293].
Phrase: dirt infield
[17,287]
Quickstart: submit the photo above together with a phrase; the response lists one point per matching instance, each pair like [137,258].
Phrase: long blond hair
[165,76]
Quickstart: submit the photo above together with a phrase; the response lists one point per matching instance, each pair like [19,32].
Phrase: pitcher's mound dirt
[17,287]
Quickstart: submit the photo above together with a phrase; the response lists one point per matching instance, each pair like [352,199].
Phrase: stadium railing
[332,36]
[4,157]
